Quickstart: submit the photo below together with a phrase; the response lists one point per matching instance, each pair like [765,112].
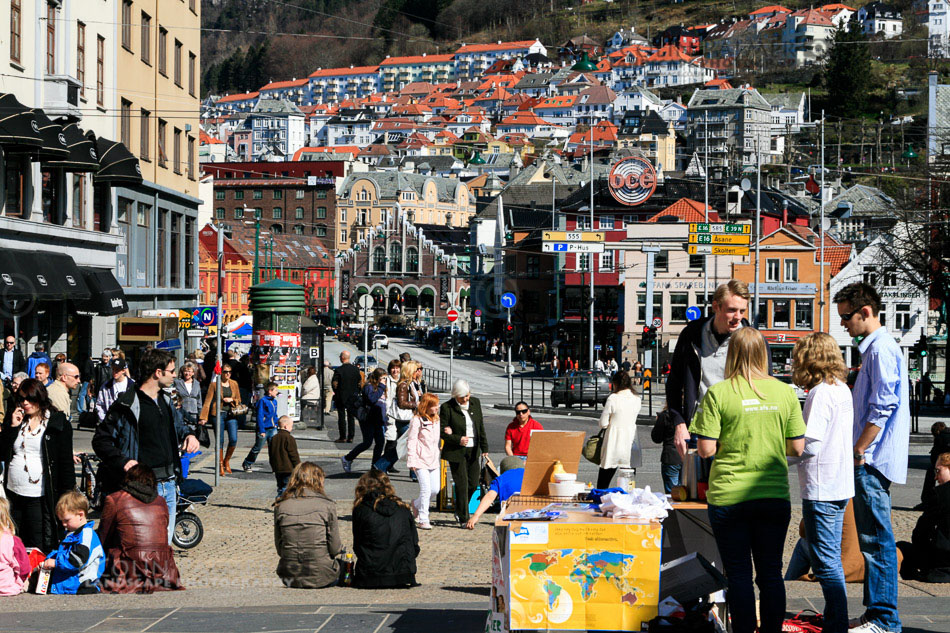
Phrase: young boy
[78,562]
[266,424]
[282,452]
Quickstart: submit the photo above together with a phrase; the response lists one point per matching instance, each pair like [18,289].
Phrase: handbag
[593,447]
[202,435]
[239,409]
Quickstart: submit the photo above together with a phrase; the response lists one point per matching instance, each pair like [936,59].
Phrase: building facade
[738,121]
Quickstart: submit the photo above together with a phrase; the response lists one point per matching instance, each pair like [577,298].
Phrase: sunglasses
[226,371]
[521,411]
[19,398]
[847,316]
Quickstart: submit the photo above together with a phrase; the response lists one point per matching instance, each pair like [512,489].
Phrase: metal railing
[436,379]
[565,391]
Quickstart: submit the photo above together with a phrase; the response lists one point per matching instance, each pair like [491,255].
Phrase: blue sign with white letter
[693,313]
[508,300]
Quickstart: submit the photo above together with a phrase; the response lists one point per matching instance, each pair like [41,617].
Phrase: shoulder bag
[593,447]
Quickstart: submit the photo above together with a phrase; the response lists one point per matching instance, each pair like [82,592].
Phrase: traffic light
[509,334]
[648,339]
[920,347]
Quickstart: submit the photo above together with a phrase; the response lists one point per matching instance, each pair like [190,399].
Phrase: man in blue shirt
[881,437]
[509,483]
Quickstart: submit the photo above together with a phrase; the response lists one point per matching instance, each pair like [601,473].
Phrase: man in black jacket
[144,426]
[346,387]
[11,359]
[699,360]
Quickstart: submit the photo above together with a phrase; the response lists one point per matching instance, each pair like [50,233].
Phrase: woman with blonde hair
[400,410]
[750,422]
[422,456]
[306,531]
[14,563]
[826,470]
[385,540]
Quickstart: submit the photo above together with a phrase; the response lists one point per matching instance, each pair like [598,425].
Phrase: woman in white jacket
[620,419]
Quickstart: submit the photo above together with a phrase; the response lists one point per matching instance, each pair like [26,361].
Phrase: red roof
[604,132]
[811,16]
[721,84]
[524,118]
[352,70]
[205,139]
[417,59]
[772,8]
[669,53]
[339,149]
[274,85]
[238,97]
[687,211]
[498,46]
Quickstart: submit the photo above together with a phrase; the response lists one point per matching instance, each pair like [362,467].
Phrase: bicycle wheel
[188,530]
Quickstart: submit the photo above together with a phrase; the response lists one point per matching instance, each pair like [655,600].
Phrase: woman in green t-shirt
[750,422]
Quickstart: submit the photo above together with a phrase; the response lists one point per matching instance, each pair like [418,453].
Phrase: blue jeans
[753,533]
[230,427]
[823,521]
[258,445]
[81,400]
[872,517]
[390,456]
[168,490]
[671,476]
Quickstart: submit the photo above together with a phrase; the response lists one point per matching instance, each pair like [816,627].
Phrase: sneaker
[423,526]
[392,470]
[248,468]
[869,627]
[858,621]
[347,466]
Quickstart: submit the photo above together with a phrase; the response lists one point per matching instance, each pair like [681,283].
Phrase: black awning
[107,297]
[117,165]
[54,141]
[18,126]
[27,275]
[82,150]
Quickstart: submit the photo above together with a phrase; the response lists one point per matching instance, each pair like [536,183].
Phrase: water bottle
[349,562]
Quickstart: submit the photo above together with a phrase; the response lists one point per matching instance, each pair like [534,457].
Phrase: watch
[858,455]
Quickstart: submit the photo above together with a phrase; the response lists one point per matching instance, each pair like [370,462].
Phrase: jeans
[372,432]
[282,479]
[81,399]
[390,456]
[524,365]
[430,482]
[753,530]
[229,426]
[671,476]
[169,491]
[872,517]
[823,521]
[258,445]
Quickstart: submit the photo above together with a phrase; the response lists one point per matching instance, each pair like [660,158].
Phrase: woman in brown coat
[230,398]
[134,534]
[306,532]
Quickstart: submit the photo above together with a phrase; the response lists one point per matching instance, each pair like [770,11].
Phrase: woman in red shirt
[518,433]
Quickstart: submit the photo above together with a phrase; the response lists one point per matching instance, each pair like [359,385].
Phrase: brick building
[238,274]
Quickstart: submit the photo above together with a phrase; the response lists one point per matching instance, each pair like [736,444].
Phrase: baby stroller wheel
[188,530]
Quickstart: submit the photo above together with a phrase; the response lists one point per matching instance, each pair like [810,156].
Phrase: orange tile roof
[834,7]
[687,211]
[503,46]
[355,70]
[558,102]
[340,149]
[274,85]
[417,59]
[811,16]
[772,8]
[722,84]
[837,257]
[524,118]
[238,97]
[669,53]
[205,139]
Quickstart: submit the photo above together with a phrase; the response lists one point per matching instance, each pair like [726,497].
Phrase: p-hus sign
[632,181]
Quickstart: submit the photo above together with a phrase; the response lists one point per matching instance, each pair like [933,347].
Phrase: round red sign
[632,181]
[452,316]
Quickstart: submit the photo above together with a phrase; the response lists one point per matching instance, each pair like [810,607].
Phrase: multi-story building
[472,60]
[332,85]
[807,37]
[397,72]
[938,28]
[878,18]
[369,200]
[238,275]
[348,127]
[648,132]
[277,129]
[670,66]
[738,121]
[296,91]
[240,102]
[680,37]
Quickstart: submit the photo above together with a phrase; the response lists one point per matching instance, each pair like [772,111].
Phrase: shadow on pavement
[456,620]
[478,591]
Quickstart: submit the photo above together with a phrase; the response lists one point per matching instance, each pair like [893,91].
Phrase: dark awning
[18,126]
[107,297]
[54,141]
[82,150]
[27,275]
[117,165]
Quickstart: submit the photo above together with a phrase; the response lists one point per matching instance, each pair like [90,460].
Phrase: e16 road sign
[719,238]
[706,227]
[572,247]
[714,249]
[573,236]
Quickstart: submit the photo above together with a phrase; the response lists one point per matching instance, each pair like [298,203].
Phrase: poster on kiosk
[277,358]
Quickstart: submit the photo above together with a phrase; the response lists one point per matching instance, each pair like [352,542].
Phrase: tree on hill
[848,71]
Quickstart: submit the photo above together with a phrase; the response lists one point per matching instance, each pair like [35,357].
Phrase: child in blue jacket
[266,424]
[78,562]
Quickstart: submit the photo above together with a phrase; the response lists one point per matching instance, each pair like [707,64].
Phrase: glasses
[71,375]
[520,411]
[9,342]
[226,371]
[847,316]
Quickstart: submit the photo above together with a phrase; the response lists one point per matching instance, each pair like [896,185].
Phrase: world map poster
[594,576]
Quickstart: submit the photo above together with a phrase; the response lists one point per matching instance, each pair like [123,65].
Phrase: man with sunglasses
[11,359]
[67,379]
[518,433]
[881,438]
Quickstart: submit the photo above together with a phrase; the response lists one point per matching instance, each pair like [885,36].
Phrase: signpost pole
[591,255]
[321,331]
[651,252]
[757,229]
[511,387]
[451,351]
[220,351]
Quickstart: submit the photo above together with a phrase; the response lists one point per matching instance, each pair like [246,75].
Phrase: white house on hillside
[878,18]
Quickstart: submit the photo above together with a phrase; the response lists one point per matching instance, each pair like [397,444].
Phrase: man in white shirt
[114,388]
[67,379]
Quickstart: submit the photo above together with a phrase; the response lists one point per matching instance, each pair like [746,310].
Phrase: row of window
[378,263]
[661,262]
[278,194]
[277,213]
[145,42]
[772,267]
[145,131]
[172,256]
[605,222]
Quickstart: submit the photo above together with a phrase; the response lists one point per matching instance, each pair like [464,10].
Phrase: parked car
[581,387]
[361,363]
[381,341]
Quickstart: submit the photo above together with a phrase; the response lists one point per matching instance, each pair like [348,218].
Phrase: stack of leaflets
[534,515]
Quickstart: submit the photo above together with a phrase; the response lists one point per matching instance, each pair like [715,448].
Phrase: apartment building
[332,85]
[738,121]
[473,60]
[398,72]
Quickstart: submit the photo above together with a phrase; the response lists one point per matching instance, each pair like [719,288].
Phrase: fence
[436,379]
[565,391]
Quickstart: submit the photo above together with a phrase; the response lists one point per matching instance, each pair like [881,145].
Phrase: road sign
[452,315]
[706,227]
[572,247]
[508,300]
[573,236]
[196,332]
[719,238]
[205,316]
[693,313]
[597,348]
[314,352]
[713,249]
[478,313]
[365,301]
[657,322]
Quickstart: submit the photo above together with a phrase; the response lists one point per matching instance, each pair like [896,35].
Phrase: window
[177,63]
[124,211]
[238,213]
[607,262]
[583,223]
[379,259]
[321,194]
[50,39]
[803,314]
[176,151]
[79,200]
[16,26]
[100,69]
[395,256]
[343,215]
[890,277]
[780,314]
[278,194]
[772,270]
[161,247]
[191,157]
[583,262]
[321,231]
[870,275]
[412,260]
[258,194]
[902,316]
[661,261]
[791,270]
[679,302]
[258,213]
[606,221]
[125,123]
[163,156]
[343,235]
[322,213]
[81,57]
[278,213]
[163,51]
[533,268]
[696,262]
[127,24]
[762,314]
[238,195]
[642,306]
[192,62]
[298,229]
[219,213]
[276,228]
[145,123]
[146,43]
[299,194]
